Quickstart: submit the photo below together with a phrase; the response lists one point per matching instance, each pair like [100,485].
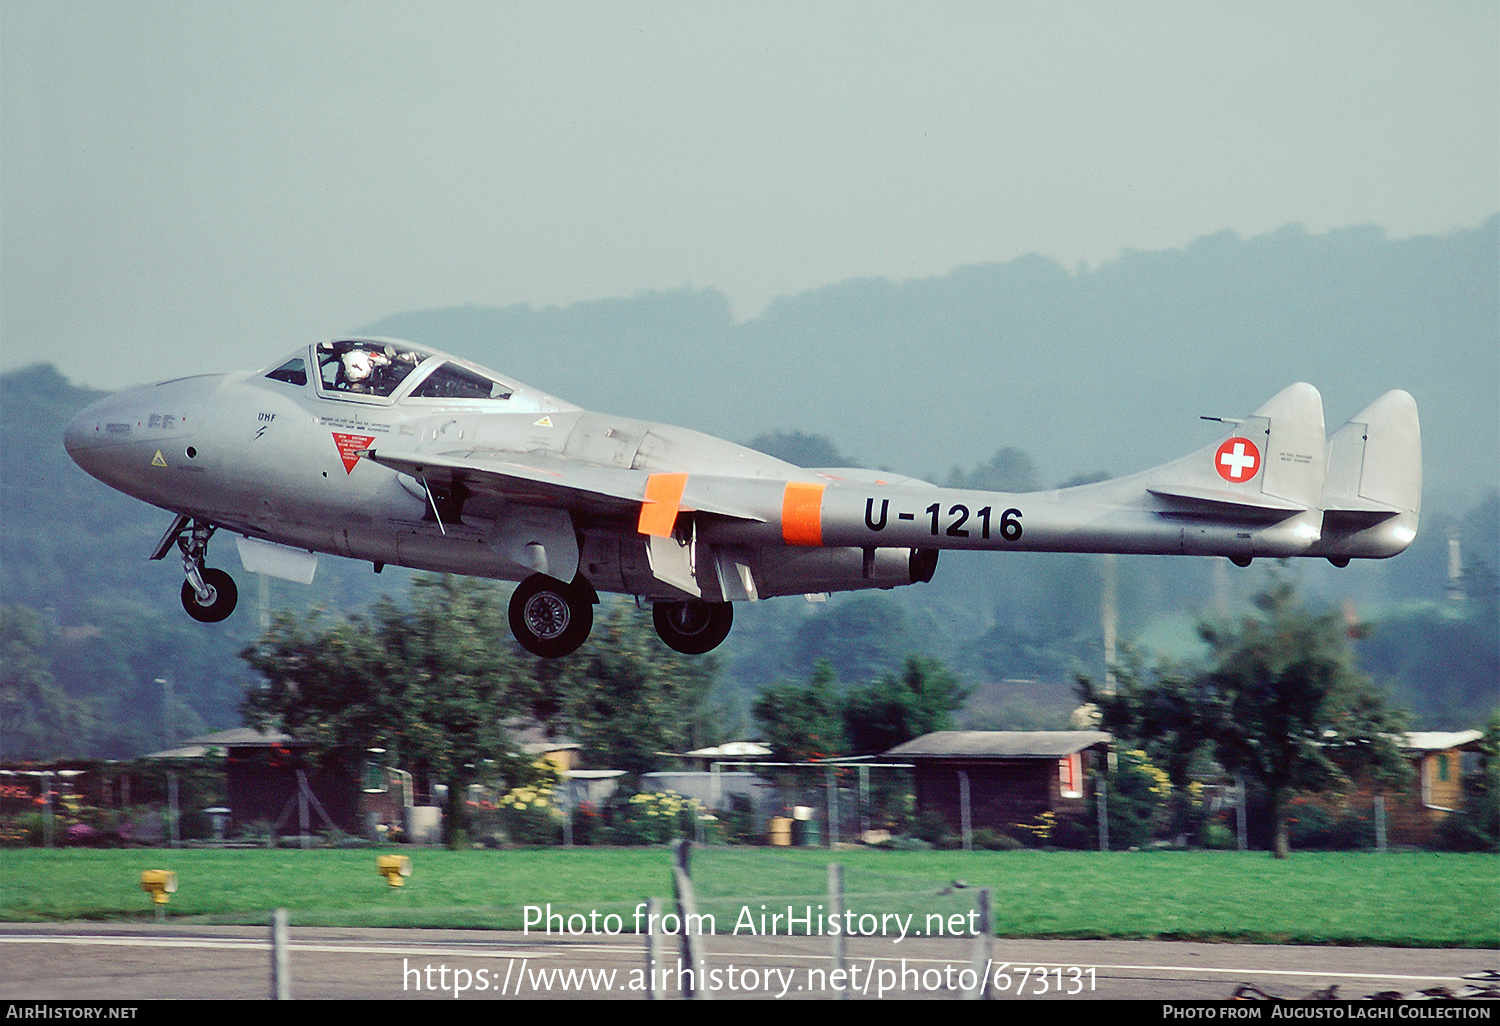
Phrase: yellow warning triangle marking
[544,422]
[157,460]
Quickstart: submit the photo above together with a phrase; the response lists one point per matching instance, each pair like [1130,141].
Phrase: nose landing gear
[208,594]
[221,596]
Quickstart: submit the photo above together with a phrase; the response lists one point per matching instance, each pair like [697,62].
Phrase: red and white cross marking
[1237,459]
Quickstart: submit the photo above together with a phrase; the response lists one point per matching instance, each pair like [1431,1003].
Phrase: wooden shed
[261,781]
[1004,777]
[1436,789]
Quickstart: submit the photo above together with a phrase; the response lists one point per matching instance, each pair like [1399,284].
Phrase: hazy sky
[201,186]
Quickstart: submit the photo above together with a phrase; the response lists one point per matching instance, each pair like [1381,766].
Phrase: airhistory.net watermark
[867,978]
[750,921]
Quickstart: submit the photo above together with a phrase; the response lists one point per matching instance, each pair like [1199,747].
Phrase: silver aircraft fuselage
[382,450]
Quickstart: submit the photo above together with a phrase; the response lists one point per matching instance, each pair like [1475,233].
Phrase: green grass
[1414,899]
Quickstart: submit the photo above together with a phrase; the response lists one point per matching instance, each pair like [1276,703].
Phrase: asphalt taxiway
[115,962]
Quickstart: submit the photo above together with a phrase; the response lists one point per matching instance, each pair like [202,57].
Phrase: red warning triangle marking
[349,447]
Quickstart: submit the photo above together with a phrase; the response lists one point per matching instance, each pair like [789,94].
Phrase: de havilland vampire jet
[382,450]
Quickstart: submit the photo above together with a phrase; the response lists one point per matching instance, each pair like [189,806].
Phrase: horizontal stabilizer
[1256,506]
[1344,520]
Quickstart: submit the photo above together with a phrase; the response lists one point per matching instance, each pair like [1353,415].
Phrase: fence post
[281,973]
[687,911]
[302,820]
[1239,808]
[983,948]
[836,908]
[1101,800]
[653,948]
[174,815]
[965,817]
[833,805]
[864,801]
[49,827]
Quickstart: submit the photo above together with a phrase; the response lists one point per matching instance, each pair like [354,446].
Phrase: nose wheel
[550,618]
[222,596]
[208,595]
[693,628]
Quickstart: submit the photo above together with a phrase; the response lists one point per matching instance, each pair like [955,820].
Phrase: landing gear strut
[550,618]
[208,595]
[693,628]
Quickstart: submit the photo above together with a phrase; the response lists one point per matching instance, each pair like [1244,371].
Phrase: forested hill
[1106,367]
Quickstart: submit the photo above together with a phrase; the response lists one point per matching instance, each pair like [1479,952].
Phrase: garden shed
[999,779]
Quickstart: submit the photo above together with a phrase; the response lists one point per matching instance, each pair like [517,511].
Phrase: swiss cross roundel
[1237,459]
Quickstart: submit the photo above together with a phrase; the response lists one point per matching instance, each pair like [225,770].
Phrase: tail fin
[1269,467]
[1373,496]
[1257,491]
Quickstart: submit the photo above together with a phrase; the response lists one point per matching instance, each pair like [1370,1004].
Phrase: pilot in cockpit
[374,370]
[359,367]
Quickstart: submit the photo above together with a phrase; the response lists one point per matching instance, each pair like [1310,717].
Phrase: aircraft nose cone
[126,439]
[108,431]
[91,436]
[79,434]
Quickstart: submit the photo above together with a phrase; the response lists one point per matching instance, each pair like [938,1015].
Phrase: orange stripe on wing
[802,513]
[663,498]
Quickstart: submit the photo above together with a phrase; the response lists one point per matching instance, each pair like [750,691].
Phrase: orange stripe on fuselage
[802,513]
[663,499]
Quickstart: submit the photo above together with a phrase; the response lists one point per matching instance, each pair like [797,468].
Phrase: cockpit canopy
[366,368]
[375,370]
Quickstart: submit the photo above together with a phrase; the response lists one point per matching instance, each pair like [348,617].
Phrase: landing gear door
[280,561]
[541,540]
[672,561]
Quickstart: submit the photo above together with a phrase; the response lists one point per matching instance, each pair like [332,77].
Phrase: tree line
[1278,700]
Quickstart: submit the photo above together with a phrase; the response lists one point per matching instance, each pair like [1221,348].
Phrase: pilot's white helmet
[358,365]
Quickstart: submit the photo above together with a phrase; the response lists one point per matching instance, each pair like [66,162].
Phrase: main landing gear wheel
[693,628]
[221,601]
[550,618]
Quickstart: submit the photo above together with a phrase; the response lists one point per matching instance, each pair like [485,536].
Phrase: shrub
[656,817]
[739,822]
[1219,837]
[529,816]
[588,824]
[1136,796]
[1071,834]
[1038,833]
[1475,827]
[932,827]
[1311,826]
[986,839]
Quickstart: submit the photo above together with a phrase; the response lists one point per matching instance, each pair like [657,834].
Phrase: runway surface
[133,962]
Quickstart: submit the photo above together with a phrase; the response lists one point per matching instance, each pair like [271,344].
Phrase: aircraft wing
[546,479]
